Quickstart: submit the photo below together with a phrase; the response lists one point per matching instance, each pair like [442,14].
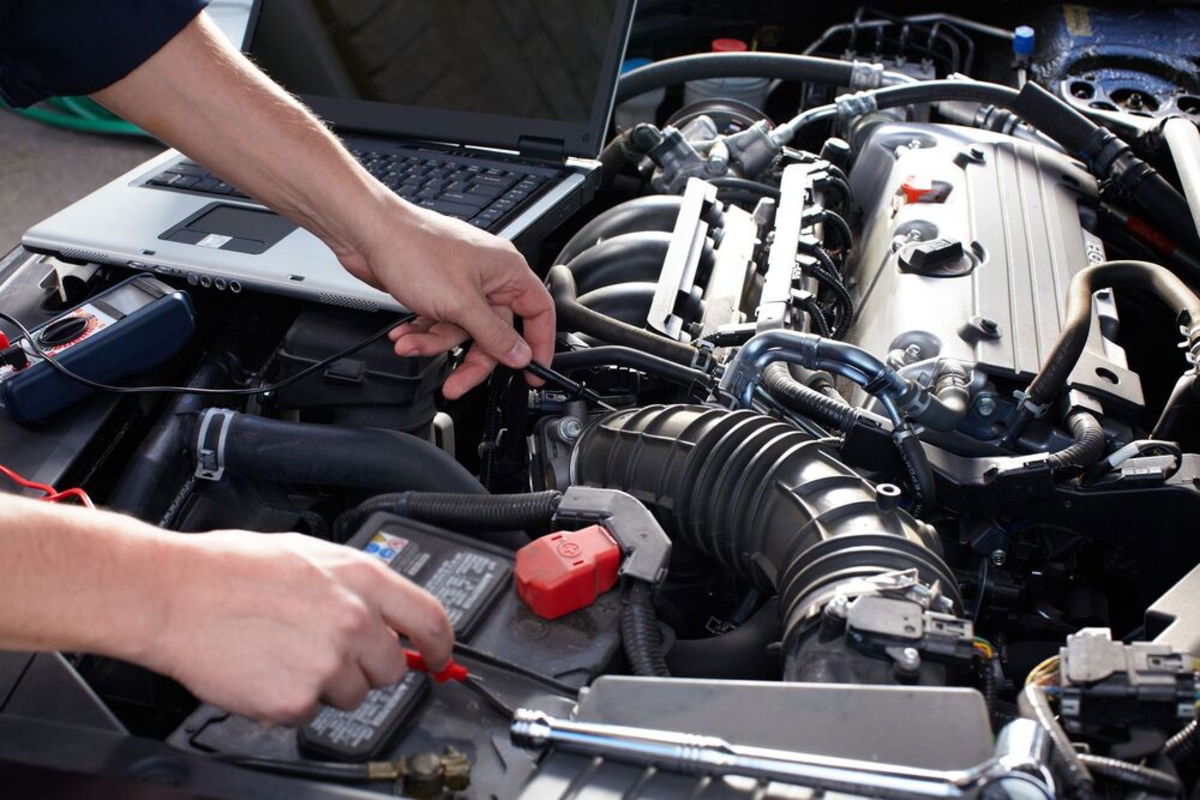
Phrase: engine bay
[869,462]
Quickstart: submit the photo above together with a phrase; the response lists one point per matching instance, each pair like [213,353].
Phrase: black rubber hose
[1073,335]
[639,634]
[158,460]
[628,257]
[734,183]
[531,513]
[1134,775]
[1032,704]
[628,303]
[1088,447]
[779,383]
[656,212]
[615,356]
[575,317]
[743,653]
[310,454]
[761,498]
[781,66]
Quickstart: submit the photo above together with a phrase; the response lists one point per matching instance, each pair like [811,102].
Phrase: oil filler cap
[566,571]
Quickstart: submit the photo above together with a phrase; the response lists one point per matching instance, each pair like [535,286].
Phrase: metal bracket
[682,261]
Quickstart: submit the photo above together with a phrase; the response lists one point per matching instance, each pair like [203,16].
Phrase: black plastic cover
[372,388]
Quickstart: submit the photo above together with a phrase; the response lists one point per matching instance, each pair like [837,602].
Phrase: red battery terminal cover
[566,571]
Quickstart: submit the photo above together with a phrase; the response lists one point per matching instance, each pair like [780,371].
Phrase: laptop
[491,112]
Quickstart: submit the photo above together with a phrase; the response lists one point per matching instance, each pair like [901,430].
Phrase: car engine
[869,462]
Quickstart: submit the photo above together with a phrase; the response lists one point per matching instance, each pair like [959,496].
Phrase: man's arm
[205,98]
[261,624]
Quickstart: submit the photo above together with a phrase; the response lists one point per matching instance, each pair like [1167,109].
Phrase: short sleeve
[76,47]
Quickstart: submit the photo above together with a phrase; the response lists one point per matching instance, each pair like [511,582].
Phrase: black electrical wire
[104,387]
[322,770]
[557,686]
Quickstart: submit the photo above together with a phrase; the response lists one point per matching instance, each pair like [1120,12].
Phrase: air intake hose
[763,499]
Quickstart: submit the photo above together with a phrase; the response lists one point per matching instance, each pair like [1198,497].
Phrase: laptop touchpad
[228,227]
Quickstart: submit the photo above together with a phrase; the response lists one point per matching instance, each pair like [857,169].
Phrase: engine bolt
[912,353]
[998,557]
[909,659]
[569,429]
[985,405]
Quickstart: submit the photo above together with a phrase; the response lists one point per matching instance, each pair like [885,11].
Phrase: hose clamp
[853,106]
[1036,410]
[899,435]
[210,443]
[864,75]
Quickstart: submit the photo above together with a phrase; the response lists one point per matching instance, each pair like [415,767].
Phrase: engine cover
[969,241]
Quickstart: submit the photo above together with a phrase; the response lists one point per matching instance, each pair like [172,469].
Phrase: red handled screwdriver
[452,671]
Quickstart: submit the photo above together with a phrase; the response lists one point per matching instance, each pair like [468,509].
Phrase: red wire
[52,495]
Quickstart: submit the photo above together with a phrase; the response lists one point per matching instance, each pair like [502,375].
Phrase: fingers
[382,658]
[348,690]
[417,614]
[429,339]
[473,371]
[493,332]
[535,306]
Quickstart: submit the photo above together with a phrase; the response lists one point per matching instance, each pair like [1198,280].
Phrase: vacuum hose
[574,316]
[761,498]
[1077,323]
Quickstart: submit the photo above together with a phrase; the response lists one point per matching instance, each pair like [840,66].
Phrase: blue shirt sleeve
[74,47]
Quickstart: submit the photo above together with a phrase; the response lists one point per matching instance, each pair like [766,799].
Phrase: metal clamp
[210,443]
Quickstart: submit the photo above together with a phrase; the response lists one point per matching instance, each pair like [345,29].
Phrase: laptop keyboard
[483,194]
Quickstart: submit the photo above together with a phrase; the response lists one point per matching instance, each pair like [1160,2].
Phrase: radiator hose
[311,454]
[761,498]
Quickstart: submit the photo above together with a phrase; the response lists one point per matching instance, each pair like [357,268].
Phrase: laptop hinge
[540,149]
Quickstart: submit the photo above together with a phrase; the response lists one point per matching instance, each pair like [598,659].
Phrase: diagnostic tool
[130,328]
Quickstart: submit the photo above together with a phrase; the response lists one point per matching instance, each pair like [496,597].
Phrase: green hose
[80,114]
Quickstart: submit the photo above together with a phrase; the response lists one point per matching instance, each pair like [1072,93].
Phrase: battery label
[361,732]
[463,579]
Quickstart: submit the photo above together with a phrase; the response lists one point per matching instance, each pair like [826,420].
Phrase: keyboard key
[487,190]
[474,200]
[459,210]
[489,179]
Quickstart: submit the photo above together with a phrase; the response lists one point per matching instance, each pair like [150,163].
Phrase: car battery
[520,657]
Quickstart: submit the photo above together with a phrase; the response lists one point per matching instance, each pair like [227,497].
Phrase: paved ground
[43,169]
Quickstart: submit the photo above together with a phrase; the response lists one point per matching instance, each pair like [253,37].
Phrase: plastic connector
[14,357]
[566,571]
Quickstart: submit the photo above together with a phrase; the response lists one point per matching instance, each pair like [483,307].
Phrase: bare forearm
[79,580]
[202,96]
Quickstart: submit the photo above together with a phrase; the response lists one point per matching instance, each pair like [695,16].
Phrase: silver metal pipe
[1020,756]
[1183,140]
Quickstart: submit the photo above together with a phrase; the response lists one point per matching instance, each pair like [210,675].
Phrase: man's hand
[264,625]
[199,94]
[464,283]
[267,625]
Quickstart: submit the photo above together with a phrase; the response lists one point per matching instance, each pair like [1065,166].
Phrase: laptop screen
[470,71]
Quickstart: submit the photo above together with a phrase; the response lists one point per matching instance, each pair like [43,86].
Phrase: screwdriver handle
[452,671]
